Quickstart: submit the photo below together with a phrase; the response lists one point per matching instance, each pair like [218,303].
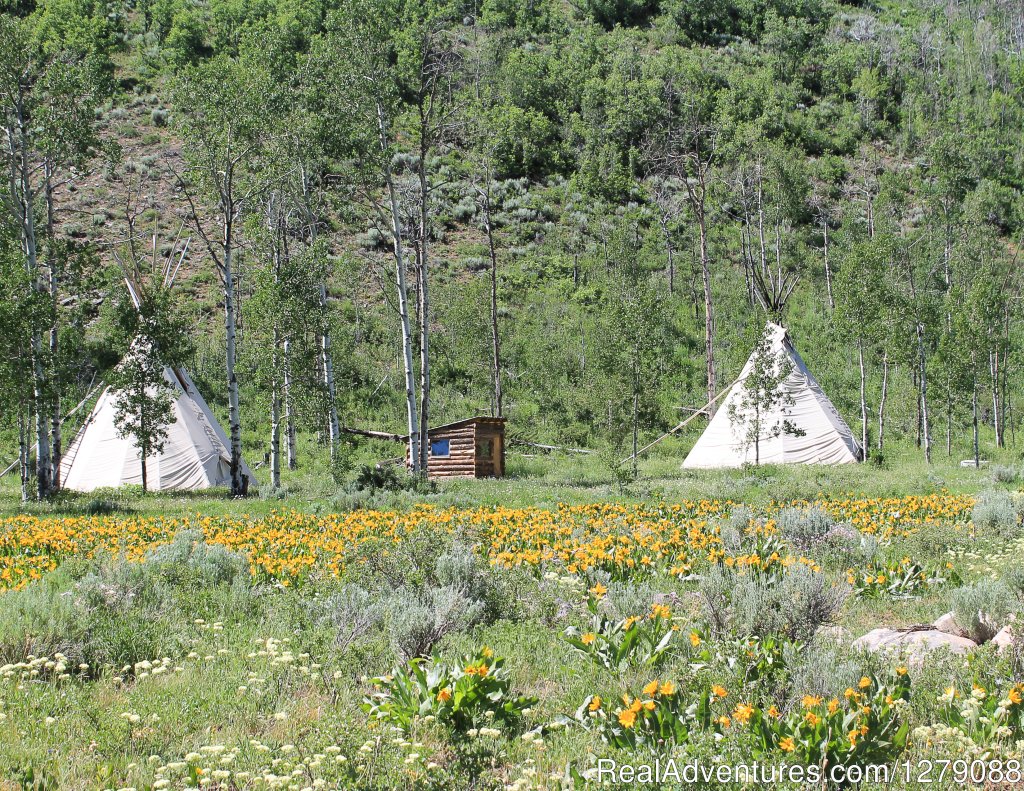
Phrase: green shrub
[188,559]
[1003,474]
[100,507]
[995,513]
[473,693]
[803,527]
[353,612]
[794,604]
[982,607]
[391,478]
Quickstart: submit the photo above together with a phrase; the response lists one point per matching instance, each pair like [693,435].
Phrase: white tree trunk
[403,299]
[495,336]
[863,400]
[424,312]
[23,181]
[333,426]
[239,482]
[275,418]
[926,436]
[289,410]
[884,395]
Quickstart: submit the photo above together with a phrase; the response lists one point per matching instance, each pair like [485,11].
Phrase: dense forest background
[598,204]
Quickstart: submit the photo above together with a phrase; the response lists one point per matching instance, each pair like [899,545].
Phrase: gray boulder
[915,643]
[1004,638]
[947,623]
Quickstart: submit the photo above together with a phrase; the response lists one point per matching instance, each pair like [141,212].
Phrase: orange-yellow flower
[588,638]
[864,682]
[668,688]
[694,639]
[627,718]
[810,701]
[595,703]
[652,688]
[444,695]
[743,712]
[719,691]
[787,745]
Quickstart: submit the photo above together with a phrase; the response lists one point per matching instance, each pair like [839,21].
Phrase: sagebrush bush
[353,612]
[981,608]
[1013,579]
[624,599]
[431,586]
[715,594]
[188,556]
[1004,474]
[793,605]
[810,601]
[419,620]
[825,669]
[994,512]
[740,518]
[803,527]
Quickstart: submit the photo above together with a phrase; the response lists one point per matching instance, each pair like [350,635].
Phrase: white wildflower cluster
[41,668]
[278,653]
[567,580]
[415,752]
[217,766]
[533,779]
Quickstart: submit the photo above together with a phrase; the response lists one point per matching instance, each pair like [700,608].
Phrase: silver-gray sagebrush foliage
[995,514]
[794,605]
[982,608]
[461,592]
[803,527]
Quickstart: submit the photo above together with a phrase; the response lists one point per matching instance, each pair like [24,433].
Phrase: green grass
[544,480]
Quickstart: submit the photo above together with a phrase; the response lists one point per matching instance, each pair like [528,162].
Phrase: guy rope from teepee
[683,424]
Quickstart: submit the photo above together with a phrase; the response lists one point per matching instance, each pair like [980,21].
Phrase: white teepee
[196,453]
[825,438]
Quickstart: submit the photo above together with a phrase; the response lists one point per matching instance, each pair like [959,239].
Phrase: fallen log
[549,447]
[362,432]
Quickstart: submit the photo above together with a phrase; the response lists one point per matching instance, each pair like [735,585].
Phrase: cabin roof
[492,421]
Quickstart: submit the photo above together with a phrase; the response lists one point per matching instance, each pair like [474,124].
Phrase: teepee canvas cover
[196,453]
[826,437]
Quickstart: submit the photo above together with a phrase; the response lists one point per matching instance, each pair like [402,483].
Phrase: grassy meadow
[509,633]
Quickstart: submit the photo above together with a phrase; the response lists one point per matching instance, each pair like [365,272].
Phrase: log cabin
[470,448]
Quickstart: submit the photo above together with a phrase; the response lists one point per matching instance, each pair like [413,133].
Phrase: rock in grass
[1004,638]
[915,643]
[947,623]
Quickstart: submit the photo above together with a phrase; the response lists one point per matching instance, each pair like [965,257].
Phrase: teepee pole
[683,424]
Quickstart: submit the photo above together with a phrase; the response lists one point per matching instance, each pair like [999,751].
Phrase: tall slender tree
[47,113]
[225,106]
